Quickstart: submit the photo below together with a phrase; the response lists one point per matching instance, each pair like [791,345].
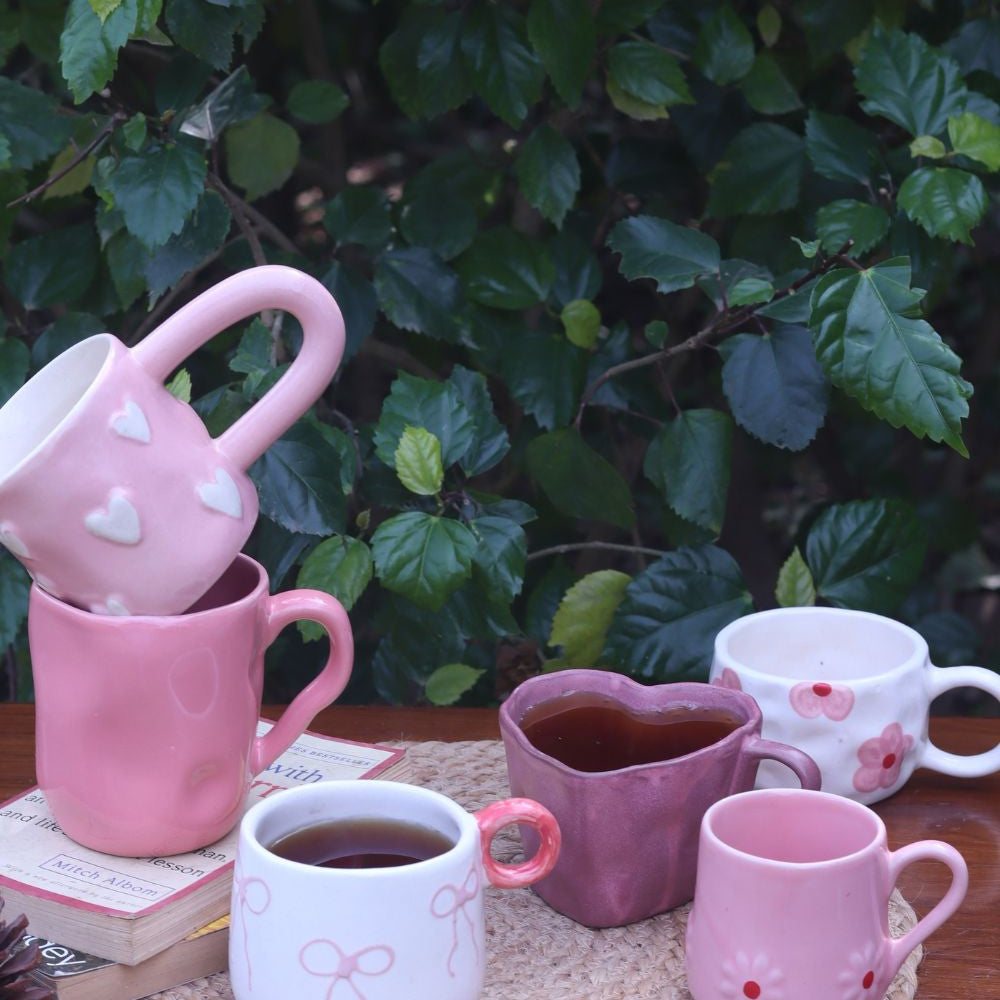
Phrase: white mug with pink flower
[850,688]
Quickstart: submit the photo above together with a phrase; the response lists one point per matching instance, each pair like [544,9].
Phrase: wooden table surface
[962,959]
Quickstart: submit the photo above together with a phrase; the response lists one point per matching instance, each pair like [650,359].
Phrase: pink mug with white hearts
[112,493]
[791,899]
[407,931]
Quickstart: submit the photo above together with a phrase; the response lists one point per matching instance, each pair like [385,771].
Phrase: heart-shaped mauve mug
[112,492]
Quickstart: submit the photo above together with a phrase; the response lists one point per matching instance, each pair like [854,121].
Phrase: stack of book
[154,922]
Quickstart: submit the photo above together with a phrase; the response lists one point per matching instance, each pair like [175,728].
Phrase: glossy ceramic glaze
[792,900]
[413,932]
[112,493]
[630,837]
[852,689]
[146,726]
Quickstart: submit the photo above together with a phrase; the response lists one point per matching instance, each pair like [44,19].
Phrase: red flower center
[868,980]
[888,760]
[751,989]
[821,690]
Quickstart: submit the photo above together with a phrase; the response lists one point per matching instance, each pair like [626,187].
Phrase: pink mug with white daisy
[850,688]
[792,899]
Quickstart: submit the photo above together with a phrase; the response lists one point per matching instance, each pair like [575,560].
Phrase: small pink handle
[495,817]
[269,287]
[924,850]
[314,606]
[799,762]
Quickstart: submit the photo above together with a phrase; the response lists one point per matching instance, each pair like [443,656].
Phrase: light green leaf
[261,154]
[89,45]
[649,73]
[929,146]
[769,25]
[506,270]
[894,365]
[585,613]
[946,202]
[641,111]
[840,221]
[975,137]
[418,461]
[759,173]
[581,320]
[180,385]
[670,254]
[724,51]
[102,8]
[750,291]
[548,173]
[795,588]
[317,101]
[422,557]
[448,683]
[562,33]
[809,248]
[418,291]
[341,566]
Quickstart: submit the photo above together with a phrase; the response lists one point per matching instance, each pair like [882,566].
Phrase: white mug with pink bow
[850,688]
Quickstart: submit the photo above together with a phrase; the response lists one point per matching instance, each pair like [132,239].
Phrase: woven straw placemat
[538,954]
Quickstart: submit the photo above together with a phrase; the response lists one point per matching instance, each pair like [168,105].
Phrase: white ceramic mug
[112,493]
[414,932]
[850,688]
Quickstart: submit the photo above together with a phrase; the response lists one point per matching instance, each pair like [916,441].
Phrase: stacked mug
[147,626]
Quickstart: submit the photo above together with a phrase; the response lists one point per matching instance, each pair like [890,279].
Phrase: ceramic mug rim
[510,726]
[876,840]
[258,588]
[385,798]
[918,657]
[36,384]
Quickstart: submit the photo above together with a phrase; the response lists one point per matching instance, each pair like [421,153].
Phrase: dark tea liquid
[592,733]
[361,843]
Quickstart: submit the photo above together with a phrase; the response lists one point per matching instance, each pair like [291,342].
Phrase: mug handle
[495,817]
[974,765]
[314,606]
[271,286]
[797,761]
[922,850]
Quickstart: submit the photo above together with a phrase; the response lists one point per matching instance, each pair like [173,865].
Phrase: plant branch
[556,550]
[246,211]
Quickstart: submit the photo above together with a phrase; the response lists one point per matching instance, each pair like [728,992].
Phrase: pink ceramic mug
[112,493]
[146,726]
[792,899]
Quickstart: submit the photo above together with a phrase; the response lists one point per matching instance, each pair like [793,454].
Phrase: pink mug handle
[314,606]
[796,760]
[495,817]
[269,287]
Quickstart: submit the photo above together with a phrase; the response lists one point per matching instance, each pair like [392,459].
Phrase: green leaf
[623,16]
[548,173]
[14,587]
[69,329]
[750,291]
[15,358]
[769,25]
[341,566]
[359,215]
[847,219]
[929,146]
[500,557]
[670,254]
[688,462]
[232,101]
[977,46]
[544,376]
[767,89]
[442,81]
[633,107]
[180,385]
[446,227]
[31,124]
[422,557]
[866,554]
[205,29]
[724,51]
[504,71]
[417,291]
[102,8]
[775,386]
[795,588]
[158,189]
[76,179]
[946,202]
[398,54]
[261,154]
[759,173]
[562,33]
[418,461]
[894,365]
[36,271]
[975,137]
[317,101]
[134,132]
[838,148]
[127,259]
[298,479]
[577,480]
[448,683]
[657,333]
[665,627]
[581,320]
[489,441]
[809,248]
[584,615]
[356,297]
[435,406]
[908,82]
[506,270]
[649,73]
[89,45]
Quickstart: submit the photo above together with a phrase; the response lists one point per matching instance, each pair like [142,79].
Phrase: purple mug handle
[271,286]
[796,760]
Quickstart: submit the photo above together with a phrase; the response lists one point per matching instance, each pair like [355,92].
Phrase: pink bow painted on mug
[244,888]
[882,758]
[345,966]
[811,699]
[728,679]
[460,897]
